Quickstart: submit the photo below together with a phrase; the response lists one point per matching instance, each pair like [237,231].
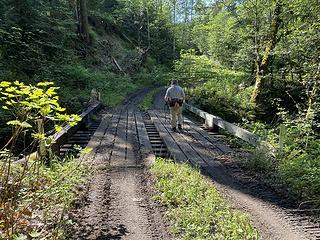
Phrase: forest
[254,63]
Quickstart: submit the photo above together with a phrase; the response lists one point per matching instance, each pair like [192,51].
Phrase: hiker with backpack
[175,97]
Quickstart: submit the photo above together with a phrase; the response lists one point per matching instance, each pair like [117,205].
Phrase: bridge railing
[212,121]
[67,131]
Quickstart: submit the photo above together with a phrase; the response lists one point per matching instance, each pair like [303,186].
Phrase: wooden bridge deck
[122,139]
[192,144]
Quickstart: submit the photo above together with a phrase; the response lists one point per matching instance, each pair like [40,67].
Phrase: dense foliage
[257,63]
[111,46]
[282,64]
[42,40]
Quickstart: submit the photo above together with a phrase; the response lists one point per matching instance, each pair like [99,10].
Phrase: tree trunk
[313,94]
[83,18]
[148,27]
[174,24]
[262,66]
[186,11]
[191,10]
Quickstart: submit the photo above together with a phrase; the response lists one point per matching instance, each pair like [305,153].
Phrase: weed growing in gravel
[195,208]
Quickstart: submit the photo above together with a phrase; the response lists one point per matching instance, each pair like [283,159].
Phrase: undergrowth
[40,210]
[78,81]
[147,102]
[36,188]
[213,87]
[293,165]
[195,208]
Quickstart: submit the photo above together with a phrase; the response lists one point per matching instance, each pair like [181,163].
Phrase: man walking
[175,97]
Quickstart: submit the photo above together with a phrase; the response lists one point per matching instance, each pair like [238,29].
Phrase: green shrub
[78,81]
[260,160]
[301,176]
[43,200]
[295,165]
[37,190]
[214,88]
[300,166]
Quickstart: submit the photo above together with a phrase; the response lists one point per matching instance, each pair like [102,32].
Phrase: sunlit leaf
[51,91]
[58,128]
[11,89]
[5,84]
[76,117]
[60,109]
[19,123]
[86,150]
[38,136]
[72,124]
[44,84]
[77,147]
[45,110]
[18,83]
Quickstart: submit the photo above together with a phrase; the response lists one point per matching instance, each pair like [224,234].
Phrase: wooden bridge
[125,140]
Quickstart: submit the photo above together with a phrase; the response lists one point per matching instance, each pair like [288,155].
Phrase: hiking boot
[179,126]
[174,129]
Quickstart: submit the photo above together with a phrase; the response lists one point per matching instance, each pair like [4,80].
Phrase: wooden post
[210,123]
[93,96]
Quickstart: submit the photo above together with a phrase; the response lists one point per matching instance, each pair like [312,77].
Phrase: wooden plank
[204,148]
[104,150]
[106,146]
[131,140]
[207,161]
[97,137]
[172,146]
[202,135]
[184,145]
[209,153]
[145,146]
[118,156]
[212,120]
[105,122]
